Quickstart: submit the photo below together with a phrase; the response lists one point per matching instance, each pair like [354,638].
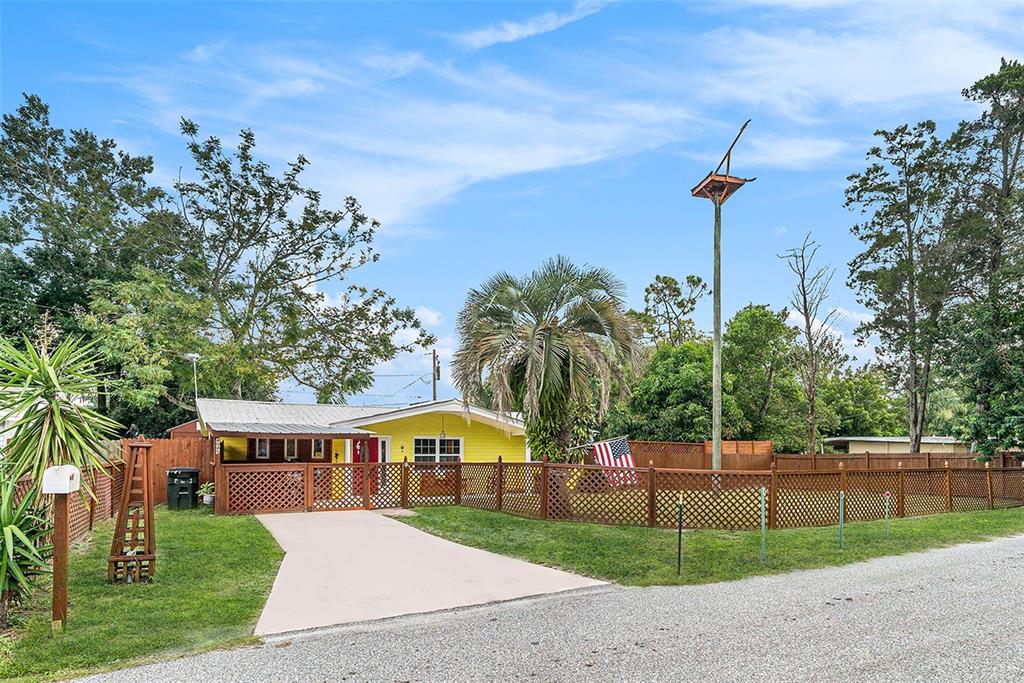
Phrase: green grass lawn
[213,574]
[638,556]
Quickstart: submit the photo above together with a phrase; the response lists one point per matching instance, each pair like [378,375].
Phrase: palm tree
[545,344]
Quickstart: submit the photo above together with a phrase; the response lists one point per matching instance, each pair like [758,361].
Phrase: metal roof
[952,440]
[227,415]
[283,428]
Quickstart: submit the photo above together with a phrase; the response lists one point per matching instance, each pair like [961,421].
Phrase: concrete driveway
[343,567]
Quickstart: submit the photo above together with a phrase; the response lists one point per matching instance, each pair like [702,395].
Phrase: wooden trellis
[133,550]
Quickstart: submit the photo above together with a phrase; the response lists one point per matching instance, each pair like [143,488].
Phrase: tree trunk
[5,607]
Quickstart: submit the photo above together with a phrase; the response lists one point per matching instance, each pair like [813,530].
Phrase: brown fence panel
[807,499]
[435,483]
[337,486]
[264,488]
[671,454]
[479,482]
[969,488]
[726,500]
[924,492]
[167,453]
[590,493]
[521,483]
[1007,487]
[866,494]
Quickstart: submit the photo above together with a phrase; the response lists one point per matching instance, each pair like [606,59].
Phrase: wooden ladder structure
[133,551]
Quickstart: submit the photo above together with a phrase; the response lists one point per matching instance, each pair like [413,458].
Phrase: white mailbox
[61,479]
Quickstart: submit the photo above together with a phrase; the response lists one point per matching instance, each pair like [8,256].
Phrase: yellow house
[434,431]
[896,444]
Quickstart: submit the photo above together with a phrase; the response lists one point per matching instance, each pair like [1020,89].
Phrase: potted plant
[206,491]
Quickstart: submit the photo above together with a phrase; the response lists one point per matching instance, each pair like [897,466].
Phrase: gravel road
[954,614]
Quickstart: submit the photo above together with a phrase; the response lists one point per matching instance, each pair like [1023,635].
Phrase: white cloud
[796,70]
[428,316]
[511,31]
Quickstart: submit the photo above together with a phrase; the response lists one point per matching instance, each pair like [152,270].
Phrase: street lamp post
[718,188]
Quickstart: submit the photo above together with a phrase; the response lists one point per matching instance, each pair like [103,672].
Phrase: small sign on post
[60,481]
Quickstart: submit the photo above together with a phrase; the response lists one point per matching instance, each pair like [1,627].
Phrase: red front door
[370,449]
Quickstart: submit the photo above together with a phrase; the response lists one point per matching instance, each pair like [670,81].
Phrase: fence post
[307,486]
[949,488]
[867,460]
[458,481]
[544,488]
[772,498]
[403,486]
[814,461]
[927,460]
[842,477]
[651,494]
[366,478]
[988,477]
[499,484]
[900,506]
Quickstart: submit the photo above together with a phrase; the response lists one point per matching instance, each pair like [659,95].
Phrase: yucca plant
[23,552]
[46,390]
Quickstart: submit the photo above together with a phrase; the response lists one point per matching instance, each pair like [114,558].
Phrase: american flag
[615,453]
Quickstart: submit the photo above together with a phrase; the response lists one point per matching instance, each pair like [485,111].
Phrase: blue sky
[490,136]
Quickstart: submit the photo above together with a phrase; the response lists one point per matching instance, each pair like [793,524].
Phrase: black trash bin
[182,488]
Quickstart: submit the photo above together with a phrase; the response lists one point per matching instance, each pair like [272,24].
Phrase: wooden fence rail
[644,496]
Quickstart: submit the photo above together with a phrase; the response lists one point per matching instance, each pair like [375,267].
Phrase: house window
[291,450]
[263,449]
[433,449]
[319,449]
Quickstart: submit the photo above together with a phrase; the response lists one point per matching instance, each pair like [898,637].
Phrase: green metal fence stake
[763,498]
[888,497]
[842,516]
[679,543]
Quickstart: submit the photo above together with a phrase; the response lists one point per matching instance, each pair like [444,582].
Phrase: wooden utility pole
[718,188]
[435,372]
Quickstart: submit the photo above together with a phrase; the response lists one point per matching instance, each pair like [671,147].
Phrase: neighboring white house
[896,444]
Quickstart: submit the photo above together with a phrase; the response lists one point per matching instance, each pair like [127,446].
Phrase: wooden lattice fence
[643,496]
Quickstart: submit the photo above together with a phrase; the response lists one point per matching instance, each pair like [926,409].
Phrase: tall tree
[986,235]
[261,249]
[667,308]
[545,344]
[899,275]
[73,208]
[759,352]
[671,400]
[817,337]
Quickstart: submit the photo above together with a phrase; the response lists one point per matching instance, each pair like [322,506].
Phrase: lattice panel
[594,494]
[479,482]
[337,487]
[865,494]
[433,483]
[924,492]
[386,485]
[1007,488]
[266,490]
[806,499]
[521,489]
[970,489]
[710,501]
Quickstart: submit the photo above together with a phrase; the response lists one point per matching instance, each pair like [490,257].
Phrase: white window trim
[295,446]
[323,450]
[267,457]
[437,456]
